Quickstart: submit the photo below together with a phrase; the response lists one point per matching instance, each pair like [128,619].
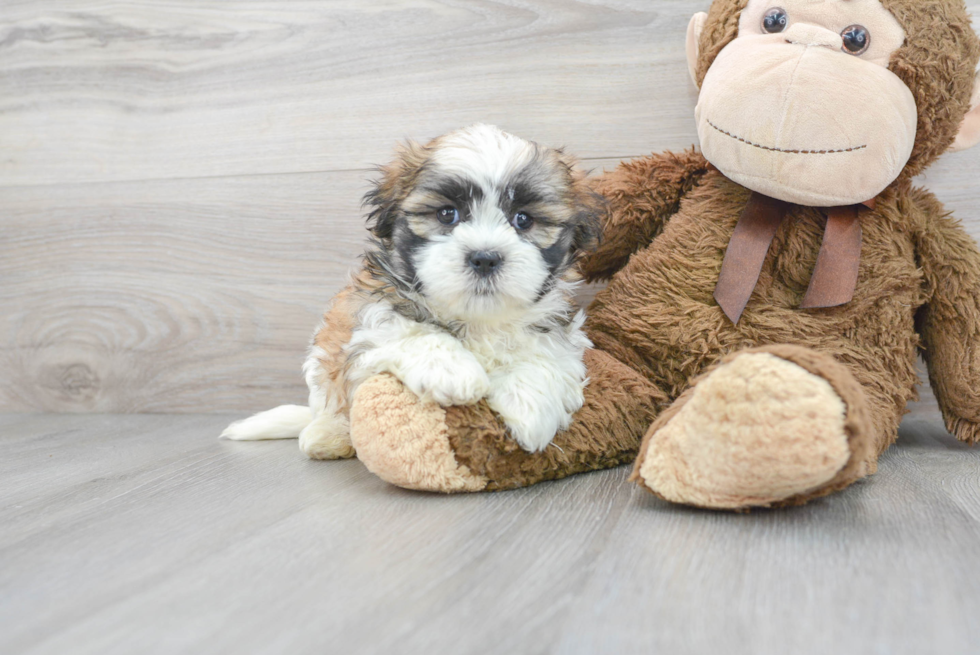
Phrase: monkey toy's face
[801,105]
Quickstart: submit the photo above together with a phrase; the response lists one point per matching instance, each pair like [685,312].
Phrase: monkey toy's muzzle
[805,123]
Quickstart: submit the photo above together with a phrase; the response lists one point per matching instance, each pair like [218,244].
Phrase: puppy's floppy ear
[390,188]
[589,207]
[590,210]
[382,199]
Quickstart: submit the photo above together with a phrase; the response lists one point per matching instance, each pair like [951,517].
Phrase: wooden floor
[145,534]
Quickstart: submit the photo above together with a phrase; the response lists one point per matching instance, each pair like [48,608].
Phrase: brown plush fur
[950,322]
[916,263]
[660,330]
[637,319]
[642,194]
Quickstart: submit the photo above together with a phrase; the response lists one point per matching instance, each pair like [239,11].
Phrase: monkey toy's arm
[950,321]
[642,195]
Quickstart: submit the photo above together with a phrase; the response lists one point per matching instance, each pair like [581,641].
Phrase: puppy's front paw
[535,409]
[532,424]
[450,378]
[533,434]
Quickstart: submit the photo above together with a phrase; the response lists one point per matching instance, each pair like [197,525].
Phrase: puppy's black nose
[485,263]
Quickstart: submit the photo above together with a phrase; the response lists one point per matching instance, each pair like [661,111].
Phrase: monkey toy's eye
[775,20]
[522,222]
[448,215]
[856,39]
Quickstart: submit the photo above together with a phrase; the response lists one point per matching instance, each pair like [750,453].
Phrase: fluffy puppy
[465,294]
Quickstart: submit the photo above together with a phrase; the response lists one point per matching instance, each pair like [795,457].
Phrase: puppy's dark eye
[856,39]
[448,216]
[775,20]
[522,222]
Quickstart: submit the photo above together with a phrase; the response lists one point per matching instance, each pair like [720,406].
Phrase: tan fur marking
[338,324]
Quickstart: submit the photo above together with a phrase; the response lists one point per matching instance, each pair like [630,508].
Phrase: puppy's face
[482,223]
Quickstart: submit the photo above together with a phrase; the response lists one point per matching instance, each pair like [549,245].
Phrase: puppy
[465,293]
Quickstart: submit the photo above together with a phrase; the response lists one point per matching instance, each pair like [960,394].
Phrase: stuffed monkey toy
[768,295]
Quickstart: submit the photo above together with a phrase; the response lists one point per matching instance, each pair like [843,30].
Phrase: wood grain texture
[194,88]
[145,534]
[175,295]
[180,180]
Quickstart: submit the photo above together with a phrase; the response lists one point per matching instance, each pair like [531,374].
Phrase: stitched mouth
[791,152]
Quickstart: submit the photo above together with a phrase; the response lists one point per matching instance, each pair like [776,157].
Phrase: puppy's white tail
[285,422]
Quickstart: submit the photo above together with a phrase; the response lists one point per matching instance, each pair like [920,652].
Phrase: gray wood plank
[191,294]
[144,533]
[205,546]
[91,91]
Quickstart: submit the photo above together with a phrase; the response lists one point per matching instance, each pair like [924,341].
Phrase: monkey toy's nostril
[485,263]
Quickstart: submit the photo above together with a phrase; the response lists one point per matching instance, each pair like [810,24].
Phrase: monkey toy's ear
[693,38]
[969,134]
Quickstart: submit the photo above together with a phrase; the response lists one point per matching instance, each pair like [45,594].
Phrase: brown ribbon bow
[834,275]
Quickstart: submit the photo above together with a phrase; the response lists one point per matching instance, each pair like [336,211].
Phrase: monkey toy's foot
[426,447]
[778,425]
[405,441]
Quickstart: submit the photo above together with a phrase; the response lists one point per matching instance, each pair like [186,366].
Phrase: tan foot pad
[757,430]
[404,441]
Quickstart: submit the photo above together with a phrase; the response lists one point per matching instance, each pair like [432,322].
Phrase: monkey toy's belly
[659,315]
